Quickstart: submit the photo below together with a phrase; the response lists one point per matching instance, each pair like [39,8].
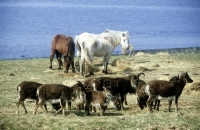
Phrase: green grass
[187,117]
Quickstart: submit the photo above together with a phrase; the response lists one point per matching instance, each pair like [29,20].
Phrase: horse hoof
[87,75]
[73,71]
[91,73]
[105,72]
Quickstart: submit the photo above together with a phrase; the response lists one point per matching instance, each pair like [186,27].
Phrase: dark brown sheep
[157,101]
[58,92]
[162,89]
[99,99]
[27,90]
[122,85]
[63,45]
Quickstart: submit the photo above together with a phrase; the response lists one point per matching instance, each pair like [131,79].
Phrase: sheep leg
[176,103]
[103,108]
[22,103]
[125,100]
[87,109]
[122,101]
[170,103]
[36,108]
[69,105]
[41,106]
[94,109]
[149,102]
[45,106]
[62,104]
[78,107]
[40,103]
[17,112]
[158,104]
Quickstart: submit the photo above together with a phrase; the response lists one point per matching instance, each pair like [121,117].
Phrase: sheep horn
[140,74]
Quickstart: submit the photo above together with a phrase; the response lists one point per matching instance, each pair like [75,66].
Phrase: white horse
[100,45]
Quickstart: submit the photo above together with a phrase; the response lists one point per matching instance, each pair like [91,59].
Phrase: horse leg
[59,55]
[81,65]
[51,58]
[104,68]
[105,64]
[73,68]
[90,70]
[67,62]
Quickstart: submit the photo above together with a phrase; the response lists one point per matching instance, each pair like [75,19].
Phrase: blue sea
[28,27]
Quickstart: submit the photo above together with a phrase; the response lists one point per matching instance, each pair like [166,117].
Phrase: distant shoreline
[188,50]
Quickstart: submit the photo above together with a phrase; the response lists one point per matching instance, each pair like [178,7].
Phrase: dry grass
[159,66]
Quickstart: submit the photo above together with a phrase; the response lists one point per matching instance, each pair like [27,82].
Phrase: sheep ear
[79,82]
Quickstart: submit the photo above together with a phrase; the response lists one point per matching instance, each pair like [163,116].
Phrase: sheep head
[134,79]
[186,78]
[80,87]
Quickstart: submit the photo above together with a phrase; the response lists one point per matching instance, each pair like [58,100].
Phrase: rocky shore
[189,50]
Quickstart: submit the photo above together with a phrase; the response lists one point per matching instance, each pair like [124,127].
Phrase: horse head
[125,40]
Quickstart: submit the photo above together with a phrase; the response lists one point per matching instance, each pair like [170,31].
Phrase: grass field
[155,66]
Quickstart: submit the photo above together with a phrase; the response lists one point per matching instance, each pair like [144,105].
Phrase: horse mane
[114,40]
[71,48]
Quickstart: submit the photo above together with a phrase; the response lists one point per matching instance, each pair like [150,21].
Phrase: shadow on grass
[74,113]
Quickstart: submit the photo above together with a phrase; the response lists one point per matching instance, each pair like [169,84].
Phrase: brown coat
[63,45]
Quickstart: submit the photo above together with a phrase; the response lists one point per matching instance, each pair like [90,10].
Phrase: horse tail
[77,44]
[87,58]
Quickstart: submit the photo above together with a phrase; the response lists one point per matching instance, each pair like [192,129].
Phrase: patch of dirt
[68,74]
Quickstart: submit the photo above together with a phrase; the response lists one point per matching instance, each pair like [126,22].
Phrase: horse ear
[123,34]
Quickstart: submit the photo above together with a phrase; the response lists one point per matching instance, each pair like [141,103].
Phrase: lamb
[61,93]
[99,99]
[162,89]
[27,90]
[120,86]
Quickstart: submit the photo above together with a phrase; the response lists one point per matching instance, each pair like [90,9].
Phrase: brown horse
[63,45]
